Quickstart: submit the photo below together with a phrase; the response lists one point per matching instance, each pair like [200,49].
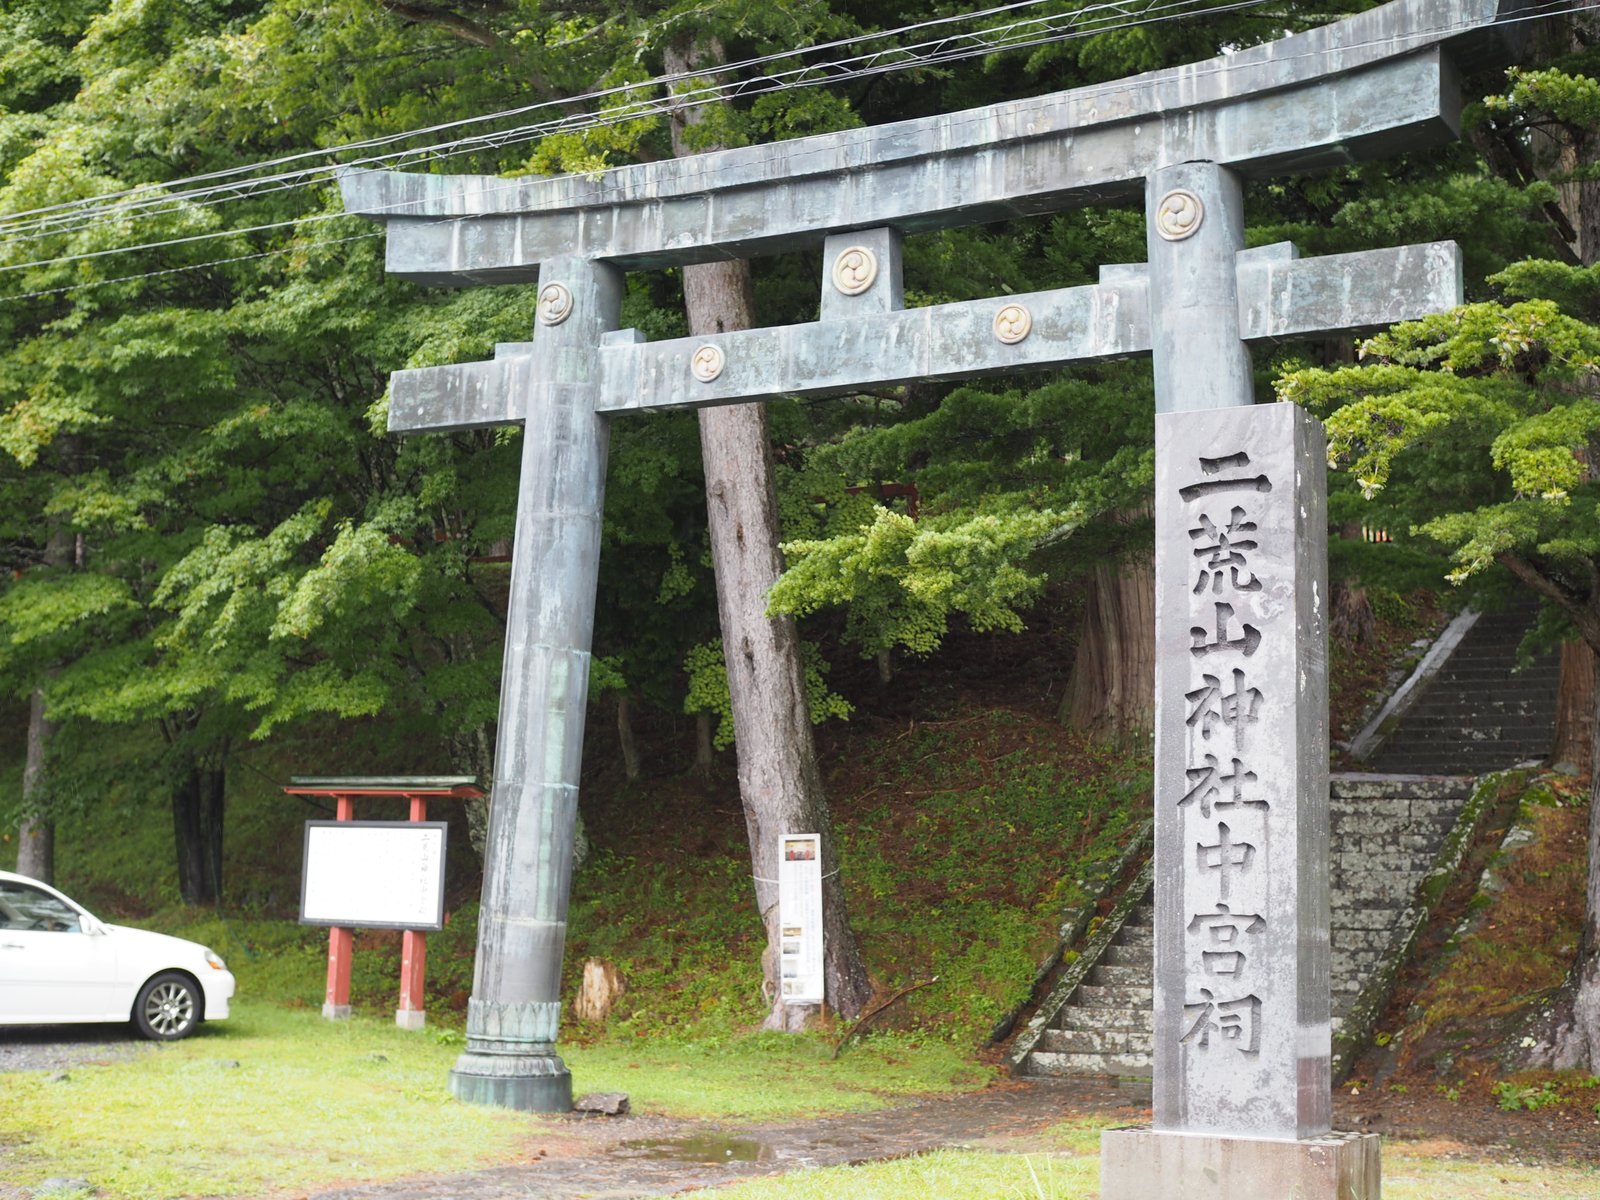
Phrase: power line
[1550,7]
[215,262]
[994,39]
[904,60]
[1018,35]
[321,171]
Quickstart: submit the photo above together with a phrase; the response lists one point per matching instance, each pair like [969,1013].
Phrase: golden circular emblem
[1013,323]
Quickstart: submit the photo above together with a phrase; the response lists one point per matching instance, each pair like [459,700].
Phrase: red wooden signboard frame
[413,942]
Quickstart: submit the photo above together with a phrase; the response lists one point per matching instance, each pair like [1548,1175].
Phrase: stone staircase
[1389,830]
[1105,1029]
[1477,713]
[1385,834]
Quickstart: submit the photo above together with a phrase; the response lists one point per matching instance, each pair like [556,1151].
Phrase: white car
[59,964]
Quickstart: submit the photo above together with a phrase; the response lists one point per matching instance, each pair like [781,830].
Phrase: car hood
[148,942]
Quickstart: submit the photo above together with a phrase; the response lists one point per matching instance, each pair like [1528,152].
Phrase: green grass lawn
[308,1102]
[278,1098]
[312,1102]
[974,1175]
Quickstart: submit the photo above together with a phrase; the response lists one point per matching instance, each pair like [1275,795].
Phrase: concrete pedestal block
[335,1012]
[1140,1163]
[410,1018]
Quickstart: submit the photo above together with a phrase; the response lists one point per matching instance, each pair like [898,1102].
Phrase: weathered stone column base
[335,1012]
[1138,1163]
[410,1018]
[526,1082]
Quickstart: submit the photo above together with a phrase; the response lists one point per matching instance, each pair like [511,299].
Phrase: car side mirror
[91,925]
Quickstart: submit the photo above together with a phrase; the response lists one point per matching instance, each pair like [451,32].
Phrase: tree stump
[601,987]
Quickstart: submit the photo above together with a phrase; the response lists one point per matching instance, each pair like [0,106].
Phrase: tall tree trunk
[1575,706]
[1574,1021]
[779,782]
[625,738]
[1112,690]
[703,749]
[36,836]
[472,753]
[1577,1029]
[197,815]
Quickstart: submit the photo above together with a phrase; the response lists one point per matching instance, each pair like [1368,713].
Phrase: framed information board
[374,874]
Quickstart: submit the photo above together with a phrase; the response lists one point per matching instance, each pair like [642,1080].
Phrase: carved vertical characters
[1226,857]
[1246,643]
[1222,552]
[1236,1022]
[1209,782]
[1227,547]
[1222,928]
[1232,710]
[1231,654]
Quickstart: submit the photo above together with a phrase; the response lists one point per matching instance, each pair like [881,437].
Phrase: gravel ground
[57,1048]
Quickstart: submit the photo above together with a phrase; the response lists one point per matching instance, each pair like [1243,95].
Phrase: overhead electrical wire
[1093,19]
[1549,8]
[987,42]
[596,94]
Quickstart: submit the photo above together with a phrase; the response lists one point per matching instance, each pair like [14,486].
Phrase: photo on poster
[799,849]
[791,946]
[791,931]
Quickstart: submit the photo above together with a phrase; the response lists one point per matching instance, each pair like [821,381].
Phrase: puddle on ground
[701,1148]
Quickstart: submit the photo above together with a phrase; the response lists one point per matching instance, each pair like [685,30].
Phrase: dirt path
[601,1158]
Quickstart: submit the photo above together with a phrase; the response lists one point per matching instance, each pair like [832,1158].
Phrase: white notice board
[800,917]
[374,874]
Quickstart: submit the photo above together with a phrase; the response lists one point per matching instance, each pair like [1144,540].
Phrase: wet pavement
[616,1158]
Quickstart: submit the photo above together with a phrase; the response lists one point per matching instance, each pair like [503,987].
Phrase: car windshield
[24,907]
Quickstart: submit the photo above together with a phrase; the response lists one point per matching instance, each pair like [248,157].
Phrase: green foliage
[708,688]
[1552,97]
[957,863]
[1004,479]
[997,816]
[348,1096]
[899,579]
[1518,1097]
[1482,421]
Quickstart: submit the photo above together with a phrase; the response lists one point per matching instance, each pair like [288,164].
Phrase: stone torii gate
[1241,1083]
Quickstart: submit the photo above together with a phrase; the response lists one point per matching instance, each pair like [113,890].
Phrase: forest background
[210,545]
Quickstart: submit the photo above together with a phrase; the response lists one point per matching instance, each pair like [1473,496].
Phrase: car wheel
[168,1007]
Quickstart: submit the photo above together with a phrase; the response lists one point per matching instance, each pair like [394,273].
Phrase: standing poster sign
[377,874]
[800,917]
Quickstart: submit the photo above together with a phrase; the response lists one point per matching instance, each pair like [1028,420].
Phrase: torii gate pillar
[515,1009]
